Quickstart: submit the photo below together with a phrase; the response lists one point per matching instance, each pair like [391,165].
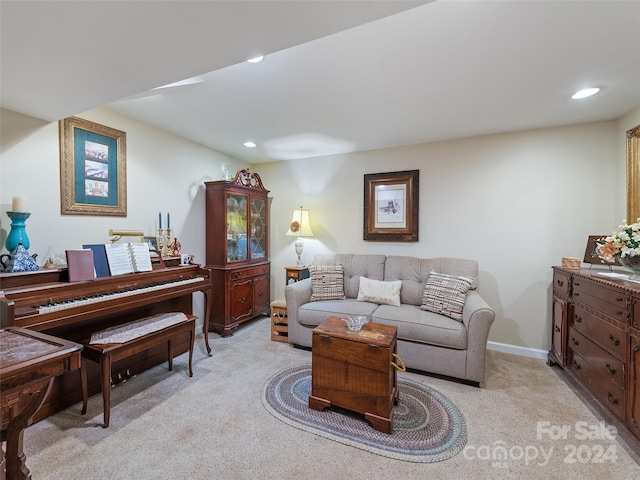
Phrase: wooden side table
[355,370]
[295,274]
[30,362]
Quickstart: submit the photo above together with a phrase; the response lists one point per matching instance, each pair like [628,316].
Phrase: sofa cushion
[327,282]
[354,266]
[446,294]
[420,326]
[314,313]
[377,291]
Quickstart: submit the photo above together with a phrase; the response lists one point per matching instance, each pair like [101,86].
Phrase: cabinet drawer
[605,390]
[607,300]
[609,366]
[561,283]
[249,272]
[370,356]
[606,335]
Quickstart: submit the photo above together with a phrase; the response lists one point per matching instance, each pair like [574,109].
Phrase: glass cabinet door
[258,228]
[237,246]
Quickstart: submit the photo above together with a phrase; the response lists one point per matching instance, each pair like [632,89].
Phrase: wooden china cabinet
[237,250]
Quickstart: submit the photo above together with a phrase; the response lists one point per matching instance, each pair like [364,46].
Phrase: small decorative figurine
[175,246]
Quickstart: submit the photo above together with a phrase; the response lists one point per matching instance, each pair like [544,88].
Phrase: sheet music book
[128,258]
[80,265]
[99,259]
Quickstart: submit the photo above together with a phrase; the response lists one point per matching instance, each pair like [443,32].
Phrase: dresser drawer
[605,334]
[608,300]
[249,272]
[561,283]
[606,391]
[608,365]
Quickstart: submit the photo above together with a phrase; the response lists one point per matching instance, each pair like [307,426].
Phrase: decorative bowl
[355,322]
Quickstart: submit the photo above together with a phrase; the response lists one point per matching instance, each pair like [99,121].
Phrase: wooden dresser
[596,339]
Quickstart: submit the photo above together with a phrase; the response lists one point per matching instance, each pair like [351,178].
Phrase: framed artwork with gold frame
[633,175]
[93,169]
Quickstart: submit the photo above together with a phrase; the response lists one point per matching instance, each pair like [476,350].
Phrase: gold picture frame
[391,202]
[633,175]
[93,169]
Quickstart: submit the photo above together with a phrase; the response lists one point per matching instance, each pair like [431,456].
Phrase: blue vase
[18,233]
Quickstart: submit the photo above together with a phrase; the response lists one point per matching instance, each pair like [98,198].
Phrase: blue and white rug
[427,426]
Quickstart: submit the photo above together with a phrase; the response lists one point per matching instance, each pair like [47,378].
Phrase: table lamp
[300,227]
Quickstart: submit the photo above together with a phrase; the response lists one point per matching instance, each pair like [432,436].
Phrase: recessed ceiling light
[584,93]
[249,144]
[256,59]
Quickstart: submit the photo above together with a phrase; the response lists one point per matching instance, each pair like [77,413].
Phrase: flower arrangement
[621,244]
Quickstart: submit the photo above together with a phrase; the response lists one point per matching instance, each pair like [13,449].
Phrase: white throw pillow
[446,294]
[376,291]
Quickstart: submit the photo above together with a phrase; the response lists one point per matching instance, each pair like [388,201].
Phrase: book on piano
[80,265]
[128,258]
[99,259]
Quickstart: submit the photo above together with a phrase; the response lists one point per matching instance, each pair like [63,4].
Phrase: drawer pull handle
[576,365]
[560,283]
[557,328]
[619,299]
[619,312]
[324,335]
[402,367]
[578,318]
[242,300]
[612,399]
[576,294]
[613,340]
[612,370]
[574,341]
[577,284]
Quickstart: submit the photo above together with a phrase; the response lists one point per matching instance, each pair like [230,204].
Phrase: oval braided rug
[427,426]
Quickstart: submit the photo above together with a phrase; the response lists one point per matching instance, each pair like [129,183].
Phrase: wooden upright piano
[46,301]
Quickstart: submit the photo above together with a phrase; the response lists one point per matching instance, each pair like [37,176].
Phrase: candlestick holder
[166,251]
[18,233]
[160,241]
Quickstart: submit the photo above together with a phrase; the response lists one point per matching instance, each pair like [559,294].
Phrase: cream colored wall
[164,173]
[516,202]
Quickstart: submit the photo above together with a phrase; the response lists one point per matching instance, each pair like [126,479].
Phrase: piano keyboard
[77,302]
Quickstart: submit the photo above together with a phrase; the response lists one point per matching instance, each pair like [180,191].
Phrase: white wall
[164,173]
[516,202]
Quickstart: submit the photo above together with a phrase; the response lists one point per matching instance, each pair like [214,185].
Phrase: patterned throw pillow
[445,294]
[376,291]
[327,282]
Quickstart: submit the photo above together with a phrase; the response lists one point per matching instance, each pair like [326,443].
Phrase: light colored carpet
[165,425]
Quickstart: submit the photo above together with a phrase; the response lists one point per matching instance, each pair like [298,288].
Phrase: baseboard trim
[515,350]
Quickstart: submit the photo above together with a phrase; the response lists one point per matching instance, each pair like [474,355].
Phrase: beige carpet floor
[165,425]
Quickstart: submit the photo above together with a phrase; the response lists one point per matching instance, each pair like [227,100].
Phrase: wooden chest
[354,370]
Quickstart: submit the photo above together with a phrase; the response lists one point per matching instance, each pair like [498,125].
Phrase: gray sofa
[427,341]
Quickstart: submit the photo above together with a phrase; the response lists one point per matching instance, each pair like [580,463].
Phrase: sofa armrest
[296,294]
[477,316]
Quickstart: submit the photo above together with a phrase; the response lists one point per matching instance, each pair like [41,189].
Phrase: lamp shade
[300,225]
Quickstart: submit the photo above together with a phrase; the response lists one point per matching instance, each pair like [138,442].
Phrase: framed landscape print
[391,206]
[93,172]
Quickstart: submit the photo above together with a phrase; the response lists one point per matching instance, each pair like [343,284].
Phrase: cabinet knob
[578,318]
[560,283]
[574,341]
[557,328]
[612,399]
[611,370]
[242,300]
[619,299]
[613,340]
[576,365]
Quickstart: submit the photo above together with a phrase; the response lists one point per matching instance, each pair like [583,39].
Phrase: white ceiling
[338,76]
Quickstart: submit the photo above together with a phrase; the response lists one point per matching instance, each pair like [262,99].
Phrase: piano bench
[136,341]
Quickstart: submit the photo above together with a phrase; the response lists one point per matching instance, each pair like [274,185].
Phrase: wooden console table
[30,362]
